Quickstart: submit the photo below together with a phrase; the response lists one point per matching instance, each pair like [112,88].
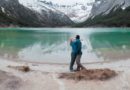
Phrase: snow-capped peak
[70,2]
[36,5]
[77,10]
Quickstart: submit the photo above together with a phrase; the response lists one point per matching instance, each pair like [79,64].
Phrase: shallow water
[51,44]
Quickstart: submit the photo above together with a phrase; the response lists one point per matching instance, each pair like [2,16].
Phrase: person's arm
[71,41]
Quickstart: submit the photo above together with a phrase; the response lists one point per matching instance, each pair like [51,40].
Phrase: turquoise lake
[52,45]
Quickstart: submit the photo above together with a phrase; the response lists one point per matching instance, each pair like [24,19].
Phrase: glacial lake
[51,45]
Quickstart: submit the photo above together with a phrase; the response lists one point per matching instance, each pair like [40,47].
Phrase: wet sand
[46,77]
[114,54]
[9,81]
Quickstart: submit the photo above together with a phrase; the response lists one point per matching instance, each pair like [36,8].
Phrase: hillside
[15,13]
[108,13]
[117,17]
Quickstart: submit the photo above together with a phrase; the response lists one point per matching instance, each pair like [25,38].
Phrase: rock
[21,68]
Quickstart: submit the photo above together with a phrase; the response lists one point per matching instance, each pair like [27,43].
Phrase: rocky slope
[13,12]
[109,13]
[105,6]
[77,11]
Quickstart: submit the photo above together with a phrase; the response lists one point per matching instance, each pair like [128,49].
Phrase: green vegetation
[116,18]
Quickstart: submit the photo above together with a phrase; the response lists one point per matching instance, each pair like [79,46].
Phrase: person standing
[76,53]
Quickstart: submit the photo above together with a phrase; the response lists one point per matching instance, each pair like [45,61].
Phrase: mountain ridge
[14,13]
[108,13]
[105,6]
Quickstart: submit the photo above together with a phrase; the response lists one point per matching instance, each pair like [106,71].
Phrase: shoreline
[62,63]
[45,76]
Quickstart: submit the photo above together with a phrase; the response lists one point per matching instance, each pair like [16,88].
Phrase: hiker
[76,53]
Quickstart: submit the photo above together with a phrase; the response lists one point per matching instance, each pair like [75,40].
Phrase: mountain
[105,6]
[30,13]
[77,12]
[109,13]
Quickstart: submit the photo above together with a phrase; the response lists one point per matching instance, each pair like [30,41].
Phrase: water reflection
[110,40]
[51,45]
[112,45]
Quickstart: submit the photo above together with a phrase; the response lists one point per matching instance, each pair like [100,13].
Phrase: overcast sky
[70,1]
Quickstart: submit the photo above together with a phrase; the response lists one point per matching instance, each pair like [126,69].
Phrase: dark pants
[76,57]
[73,58]
[79,65]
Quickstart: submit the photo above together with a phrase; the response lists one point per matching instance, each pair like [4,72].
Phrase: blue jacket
[76,46]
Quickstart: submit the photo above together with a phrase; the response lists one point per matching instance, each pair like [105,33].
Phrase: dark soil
[91,74]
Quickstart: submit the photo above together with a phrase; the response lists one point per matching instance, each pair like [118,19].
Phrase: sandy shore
[45,77]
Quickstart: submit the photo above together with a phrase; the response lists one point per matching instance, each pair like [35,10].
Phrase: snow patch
[36,5]
[77,12]
[3,10]
[123,8]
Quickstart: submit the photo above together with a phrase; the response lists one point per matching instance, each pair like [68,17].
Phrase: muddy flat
[46,76]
